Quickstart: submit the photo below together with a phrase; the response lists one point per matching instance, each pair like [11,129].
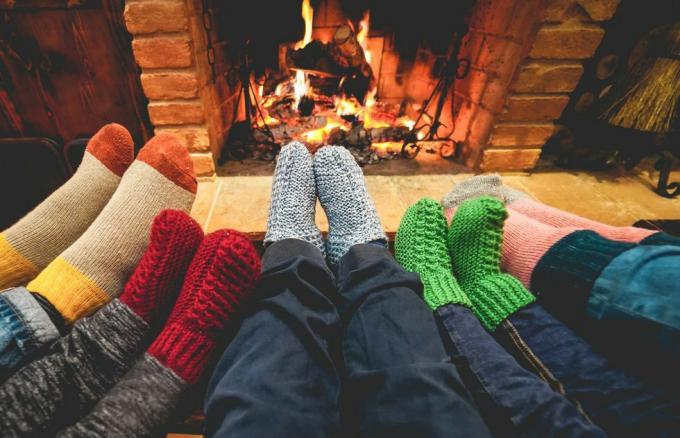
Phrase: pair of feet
[460,264]
[333,176]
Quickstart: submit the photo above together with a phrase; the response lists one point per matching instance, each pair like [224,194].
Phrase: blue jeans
[25,329]
[622,298]
[514,401]
[350,353]
[614,400]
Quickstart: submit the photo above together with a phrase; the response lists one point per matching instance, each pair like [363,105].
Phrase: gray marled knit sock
[352,217]
[140,405]
[293,204]
[59,388]
[480,185]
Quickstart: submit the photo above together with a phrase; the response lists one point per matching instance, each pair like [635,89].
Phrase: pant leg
[507,392]
[278,375]
[619,403]
[398,380]
[25,329]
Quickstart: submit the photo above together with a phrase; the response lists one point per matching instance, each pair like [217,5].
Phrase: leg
[399,378]
[278,375]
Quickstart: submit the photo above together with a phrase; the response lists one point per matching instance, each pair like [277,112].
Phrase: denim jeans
[620,404]
[350,353]
[622,298]
[514,401]
[25,329]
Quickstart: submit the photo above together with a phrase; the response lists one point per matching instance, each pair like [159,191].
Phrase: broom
[648,97]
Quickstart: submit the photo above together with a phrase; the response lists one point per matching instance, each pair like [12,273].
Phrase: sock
[525,242]
[474,240]
[40,236]
[420,247]
[293,204]
[221,276]
[62,386]
[492,185]
[93,270]
[352,218]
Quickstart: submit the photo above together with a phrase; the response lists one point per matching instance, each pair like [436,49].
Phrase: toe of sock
[112,145]
[166,154]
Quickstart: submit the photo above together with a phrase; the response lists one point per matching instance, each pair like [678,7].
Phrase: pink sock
[557,218]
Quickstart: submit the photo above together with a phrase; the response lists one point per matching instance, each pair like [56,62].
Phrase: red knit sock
[525,241]
[557,218]
[175,236]
[220,277]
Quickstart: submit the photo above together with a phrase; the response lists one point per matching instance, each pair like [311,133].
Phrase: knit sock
[492,185]
[352,218]
[293,203]
[93,270]
[475,239]
[420,247]
[525,242]
[36,239]
[62,386]
[226,268]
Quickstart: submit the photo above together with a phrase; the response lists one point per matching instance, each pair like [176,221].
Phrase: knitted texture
[174,239]
[475,239]
[36,239]
[481,185]
[220,277]
[525,242]
[420,247]
[95,267]
[293,203]
[352,218]
[558,218]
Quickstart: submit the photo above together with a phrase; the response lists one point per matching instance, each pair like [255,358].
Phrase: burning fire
[301,82]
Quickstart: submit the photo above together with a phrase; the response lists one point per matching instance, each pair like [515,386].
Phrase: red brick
[165,86]
[539,77]
[505,134]
[155,16]
[530,108]
[566,42]
[600,10]
[175,113]
[499,56]
[492,16]
[162,52]
[509,159]
[204,164]
[195,139]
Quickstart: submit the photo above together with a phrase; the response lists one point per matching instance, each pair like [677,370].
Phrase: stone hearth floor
[241,202]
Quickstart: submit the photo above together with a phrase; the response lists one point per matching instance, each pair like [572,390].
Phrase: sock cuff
[496,297]
[184,351]
[441,288]
[578,258]
[660,238]
[15,269]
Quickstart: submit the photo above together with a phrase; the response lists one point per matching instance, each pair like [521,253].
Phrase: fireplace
[509,80]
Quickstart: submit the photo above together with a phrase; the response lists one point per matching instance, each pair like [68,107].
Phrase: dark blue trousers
[621,404]
[350,353]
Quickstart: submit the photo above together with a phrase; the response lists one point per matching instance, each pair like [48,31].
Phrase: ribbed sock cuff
[495,297]
[441,288]
[577,259]
[183,351]
[660,238]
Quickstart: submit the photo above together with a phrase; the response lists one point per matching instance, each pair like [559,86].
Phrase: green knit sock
[420,247]
[475,239]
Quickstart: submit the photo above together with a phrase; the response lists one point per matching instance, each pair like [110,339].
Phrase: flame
[320,135]
[362,35]
[301,85]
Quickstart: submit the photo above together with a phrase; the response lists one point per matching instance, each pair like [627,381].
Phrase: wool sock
[293,204]
[492,185]
[93,270]
[420,246]
[40,236]
[352,218]
[59,388]
[142,402]
[474,240]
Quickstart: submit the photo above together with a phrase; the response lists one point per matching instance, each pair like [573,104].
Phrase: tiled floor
[242,202]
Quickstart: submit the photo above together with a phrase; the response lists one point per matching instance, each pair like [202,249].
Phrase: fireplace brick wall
[510,102]
[166,44]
